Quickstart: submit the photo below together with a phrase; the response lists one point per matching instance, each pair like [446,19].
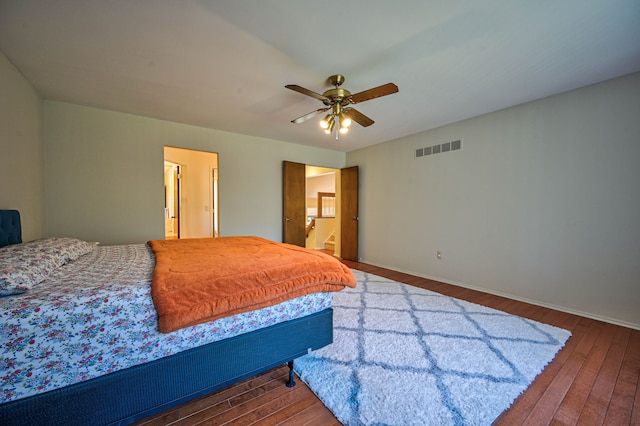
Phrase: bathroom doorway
[191,193]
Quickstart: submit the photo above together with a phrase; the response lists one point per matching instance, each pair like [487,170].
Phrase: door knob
[288,219]
[355,218]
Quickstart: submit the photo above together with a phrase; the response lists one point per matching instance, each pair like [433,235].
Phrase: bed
[161,370]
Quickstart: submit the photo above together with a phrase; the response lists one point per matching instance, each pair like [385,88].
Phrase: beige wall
[104,174]
[21,150]
[542,203]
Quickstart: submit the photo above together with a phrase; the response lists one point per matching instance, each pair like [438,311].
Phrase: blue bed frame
[138,392]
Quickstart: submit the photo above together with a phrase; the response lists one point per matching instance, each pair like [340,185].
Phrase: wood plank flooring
[592,381]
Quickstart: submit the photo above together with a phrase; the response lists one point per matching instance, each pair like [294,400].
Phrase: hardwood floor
[592,381]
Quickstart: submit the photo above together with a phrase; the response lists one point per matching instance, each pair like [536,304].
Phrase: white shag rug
[406,356]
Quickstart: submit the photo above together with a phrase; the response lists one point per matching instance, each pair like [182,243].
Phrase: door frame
[172,196]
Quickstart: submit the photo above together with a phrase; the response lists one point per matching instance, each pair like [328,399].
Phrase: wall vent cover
[439,148]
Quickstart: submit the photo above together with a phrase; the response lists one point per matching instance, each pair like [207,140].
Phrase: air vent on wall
[438,148]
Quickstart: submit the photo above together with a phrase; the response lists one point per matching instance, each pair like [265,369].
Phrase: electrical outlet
[439,255]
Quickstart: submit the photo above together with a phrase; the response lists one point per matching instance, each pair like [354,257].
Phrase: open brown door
[293,203]
[349,213]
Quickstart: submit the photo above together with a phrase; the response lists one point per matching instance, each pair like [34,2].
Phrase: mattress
[94,316]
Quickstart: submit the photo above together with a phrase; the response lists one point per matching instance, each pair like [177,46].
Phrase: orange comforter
[203,279]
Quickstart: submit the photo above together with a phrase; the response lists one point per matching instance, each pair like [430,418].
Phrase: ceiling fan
[337,101]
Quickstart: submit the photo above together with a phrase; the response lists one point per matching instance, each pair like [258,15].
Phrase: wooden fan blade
[310,115]
[307,92]
[358,117]
[376,92]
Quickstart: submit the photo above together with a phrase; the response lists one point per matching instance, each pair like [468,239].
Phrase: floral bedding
[94,315]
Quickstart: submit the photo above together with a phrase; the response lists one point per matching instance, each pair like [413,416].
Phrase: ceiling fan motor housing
[337,96]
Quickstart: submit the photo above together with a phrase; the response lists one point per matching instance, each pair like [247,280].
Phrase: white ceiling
[224,64]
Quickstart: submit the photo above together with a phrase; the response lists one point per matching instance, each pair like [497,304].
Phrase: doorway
[300,207]
[321,209]
[192,200]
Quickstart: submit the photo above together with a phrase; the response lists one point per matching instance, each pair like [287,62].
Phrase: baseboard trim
[589,315]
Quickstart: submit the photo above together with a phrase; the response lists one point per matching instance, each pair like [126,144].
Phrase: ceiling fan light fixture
[326,122]
[329,128]
[345,122]
[344,130]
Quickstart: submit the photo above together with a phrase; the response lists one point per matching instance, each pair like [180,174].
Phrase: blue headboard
[10,228]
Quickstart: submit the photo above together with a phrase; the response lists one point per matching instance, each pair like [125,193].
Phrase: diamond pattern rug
[407,356]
